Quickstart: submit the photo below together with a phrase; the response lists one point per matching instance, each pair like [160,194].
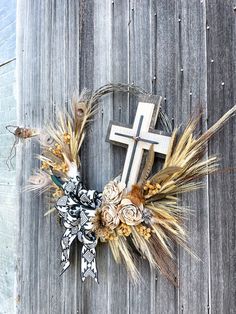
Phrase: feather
[164,261]
[136,195]
[148,166]
[40,181]
[57,181]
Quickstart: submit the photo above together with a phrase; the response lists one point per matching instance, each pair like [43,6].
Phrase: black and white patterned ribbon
[77,207]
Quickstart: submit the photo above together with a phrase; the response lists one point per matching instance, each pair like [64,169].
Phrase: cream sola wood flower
[113,191]
[111,197]
[130,213]
[127,208]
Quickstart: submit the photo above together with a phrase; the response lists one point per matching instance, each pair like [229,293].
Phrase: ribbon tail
[88,263]
[66,242]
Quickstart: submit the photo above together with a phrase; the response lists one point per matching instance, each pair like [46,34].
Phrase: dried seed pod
[22,133]
[40,181]
[19,133]
[80,108]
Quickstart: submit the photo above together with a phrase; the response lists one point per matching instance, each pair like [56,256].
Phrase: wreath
[145,218]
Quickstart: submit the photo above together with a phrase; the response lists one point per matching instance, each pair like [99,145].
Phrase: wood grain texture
[165,47]
[221,70]
[194,274]
[8,187]
[164,76]
[141,295]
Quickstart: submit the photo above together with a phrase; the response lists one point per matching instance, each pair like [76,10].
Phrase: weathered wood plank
[118,281]
[30,209]
[194,274]
[164,298]
[140,74]
[164,36]
[99,163]
[42,69]
[221,61]
[8,187]
[64,45]
[180,26]
[86,80]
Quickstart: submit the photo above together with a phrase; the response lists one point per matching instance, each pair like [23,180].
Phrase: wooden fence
[183,50]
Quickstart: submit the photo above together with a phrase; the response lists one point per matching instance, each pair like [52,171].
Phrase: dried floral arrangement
[147,217]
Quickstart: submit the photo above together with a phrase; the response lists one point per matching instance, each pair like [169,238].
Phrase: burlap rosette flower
[130,213]
[113,192]
[109,216]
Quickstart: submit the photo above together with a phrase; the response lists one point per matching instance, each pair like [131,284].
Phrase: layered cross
[139,138]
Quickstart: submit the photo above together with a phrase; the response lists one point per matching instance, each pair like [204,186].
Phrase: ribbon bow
[77,208]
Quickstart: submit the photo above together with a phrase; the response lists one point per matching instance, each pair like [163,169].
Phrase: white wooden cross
[139,138]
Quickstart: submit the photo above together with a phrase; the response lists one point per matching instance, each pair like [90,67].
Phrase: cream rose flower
[129,213]
[112,193]
[109,216]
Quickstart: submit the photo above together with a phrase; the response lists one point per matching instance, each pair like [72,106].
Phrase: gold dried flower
[58,193]
[102,232]
[61,167]
[66,138]
[44,165]
[64,167]
[129,213]
[58,146]
[144,231]
[112,237]
[151,189]
[124,230]
[57,151]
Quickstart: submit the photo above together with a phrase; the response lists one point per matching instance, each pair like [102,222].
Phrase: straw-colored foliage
[185,164]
